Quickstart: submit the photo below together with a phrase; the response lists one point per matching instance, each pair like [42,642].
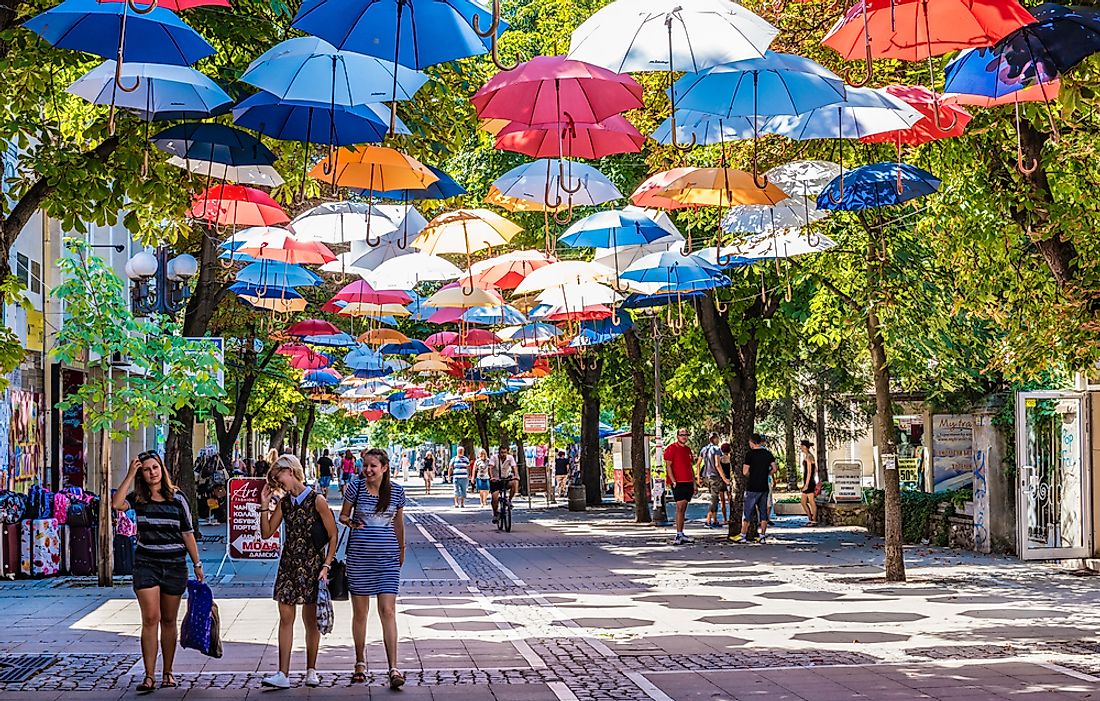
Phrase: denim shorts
[169,575]
[756,501]
[481,484]
[461,483]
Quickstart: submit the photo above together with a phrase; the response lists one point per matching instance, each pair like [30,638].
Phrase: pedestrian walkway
[590,606]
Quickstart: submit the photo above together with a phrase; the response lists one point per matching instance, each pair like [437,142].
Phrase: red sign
[243,539]
[535,423]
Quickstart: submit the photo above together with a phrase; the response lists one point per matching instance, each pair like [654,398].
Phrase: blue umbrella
[413,33]
[216,143]
[265,292]
[107,29]
[399,407]
[319,378]
[163,91]
[273,273]
[875,185]
[537,331]
[675,271]
[1059,39]
[312,70]
[494,316]
[613,228]
[640,301]
[707,128]
[313,122]
[985,72]
[420,311]
[441,189]
[602,331]
[237,257]
[363,357]
[335,340]
[412,347]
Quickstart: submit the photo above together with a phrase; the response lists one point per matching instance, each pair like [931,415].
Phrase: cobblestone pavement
[590,606]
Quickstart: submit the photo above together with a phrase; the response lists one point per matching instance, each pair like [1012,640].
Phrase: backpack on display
[13,506]
[61,507]
[39,503]
[80,515]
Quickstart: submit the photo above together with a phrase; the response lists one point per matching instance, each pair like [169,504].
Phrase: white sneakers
[281,681]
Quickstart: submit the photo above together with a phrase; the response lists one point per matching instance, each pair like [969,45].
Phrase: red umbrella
[440,339]
[935,112]
[476,337]
[592,312]
[416,393]
[361,292]
[293,349]
[547,89]
[313,327]
[572,140]
[373,414]
[446,315]
[237,205]
[173,5]
[505,272]
[288,249]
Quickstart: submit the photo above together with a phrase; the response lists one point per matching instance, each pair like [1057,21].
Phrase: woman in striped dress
[373,510]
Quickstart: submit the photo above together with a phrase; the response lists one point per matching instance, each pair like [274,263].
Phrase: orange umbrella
[380,337]
[648,193]
[374,168]
[288,249]
[712,187]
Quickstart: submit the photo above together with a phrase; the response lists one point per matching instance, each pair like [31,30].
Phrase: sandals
[149,688]
[169,681]
[397,679]
[359,676]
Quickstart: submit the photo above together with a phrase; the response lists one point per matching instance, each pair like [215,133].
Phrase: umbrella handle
[760,180]
[840,191]
[142,10]
[491,35]
[868,57]
[562,179]
[568,214]
[720,306]
[1023,169]
[546,196]
[467,291]
[685,250]
[122,86]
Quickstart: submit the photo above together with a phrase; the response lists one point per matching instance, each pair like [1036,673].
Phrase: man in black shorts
[502,476]
[758,468]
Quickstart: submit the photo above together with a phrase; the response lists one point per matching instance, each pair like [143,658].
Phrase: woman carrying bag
[165,538]
[305,561]
[373,510]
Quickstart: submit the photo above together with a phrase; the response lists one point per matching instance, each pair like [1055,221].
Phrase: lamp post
[160,283]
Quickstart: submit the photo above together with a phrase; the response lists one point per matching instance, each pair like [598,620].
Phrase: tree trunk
[278,439]
[638,413]
[481,421]
[884,420]
[311,417]
[179,454]
[521,464]
[791,457]
[105,569]
[585,373]
[820,437]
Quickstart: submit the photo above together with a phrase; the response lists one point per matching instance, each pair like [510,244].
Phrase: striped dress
[373,553]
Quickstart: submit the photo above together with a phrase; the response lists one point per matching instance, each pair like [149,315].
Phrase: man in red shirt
[680,475]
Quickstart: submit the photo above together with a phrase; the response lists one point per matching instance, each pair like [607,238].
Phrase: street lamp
[160,284]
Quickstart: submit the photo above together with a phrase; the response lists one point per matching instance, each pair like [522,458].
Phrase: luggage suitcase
[80,542]
[9,550]
[125,546]
[40,548]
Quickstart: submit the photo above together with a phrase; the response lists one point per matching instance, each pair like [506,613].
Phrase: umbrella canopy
[312,327]
[430,366]
[361,291]
[876,185]
[372,310]
[671,270]
[162,91]
[443,188]
[528,187]
[613,135]
[336,340]
[312,70]
[158,36]
[507,271]
[289,250]
[863,112]
[601,331]
[661,299]
[574,297]
[178,5]
[264,176]
[310,361]
[407,271]
[441,339]
[321,378]
[635,35]
[805,178]
[270,273]
[462,299]
[236,205]
[373,168]
[613,228]
[547,88]
[708,187]
[409,347]
[621,257]
[217,143]
[494,316]
[497,362]
[928,128]
[767,246]
[707,129]
[983,77]
[292,349]
[310,122]
[791,213]
[566,272]
[414,33]
[379,337]
[535,332]
[465,231]
[339,222]
[276,299]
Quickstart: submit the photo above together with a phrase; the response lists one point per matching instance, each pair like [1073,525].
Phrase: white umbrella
[530,183]
[574,296]
[863,112]
[791,213]
[339,222]
[779,244]
[264,176]
[564,272]
[623,257]
[806,178]
[405,272]
[465,231]
[496,362]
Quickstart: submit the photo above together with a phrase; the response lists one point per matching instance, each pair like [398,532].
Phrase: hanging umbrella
[803,178]
[448,315]
[790,213]
[314,122]
[430,366]
[571,139]
[271,273]
[372,310]
[379,337]
[264,176]
[507,271]
[274,299]
[984,78]
[161,91]
[310,361]
[389,246]
[535,332]
[443,188]
[494,316]
[644,301]
[578,296]
[566,272]
[409,347]
[874,185]
[337,340]
[340,222]
[236,205]
[173,5]
[441,339]
[363,358]
[771,245]
[622,257]
[465,231]
[934,113]
[406,272]
[497,362]
[708,187]
[312,327]
[373,168]
[573,314]
[217,143]
[288,249]
[321,378]
[361,291]
[707,129]
[528,187]
[612,228]
[292,349]
[672,270]
[593,333]
[463,298]
[648,194]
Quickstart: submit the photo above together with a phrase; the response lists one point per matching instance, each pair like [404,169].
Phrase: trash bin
[578,498]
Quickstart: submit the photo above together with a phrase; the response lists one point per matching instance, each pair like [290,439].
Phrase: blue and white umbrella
[613,228]
[271,273]
[163,91]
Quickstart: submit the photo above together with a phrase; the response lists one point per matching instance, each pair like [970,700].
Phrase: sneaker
[710,525]
[762,539]
[737,538]
[687,539]
[678,540]
[311,678]
[276,681]
[494,520]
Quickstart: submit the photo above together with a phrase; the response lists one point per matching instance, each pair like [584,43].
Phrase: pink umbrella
[313,327]
[361,292]
[477,337]
[446,315]
[548,89]
[443,338]
[293,349]
[936,113]
[596,140]
[310,361]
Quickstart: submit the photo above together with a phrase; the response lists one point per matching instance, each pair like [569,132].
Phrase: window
[36,277]
[22,269]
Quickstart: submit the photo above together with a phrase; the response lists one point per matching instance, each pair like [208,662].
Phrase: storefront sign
[536,480]
[847,480]
[535,423]
[952,451]
[243,539]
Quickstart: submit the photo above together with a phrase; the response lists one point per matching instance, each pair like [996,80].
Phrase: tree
[164,370]
[584,370]
[639,412]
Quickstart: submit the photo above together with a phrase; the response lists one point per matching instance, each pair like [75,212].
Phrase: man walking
[717,482]
[681,477]
[460,473]
[324,472]
[758,468]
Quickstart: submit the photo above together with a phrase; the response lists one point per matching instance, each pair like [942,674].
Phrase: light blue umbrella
[534,181]
[335,340]
[314,122]
[707,128]
[535,332]
[503,315]
[313,70]
[863,112]
[163,91]
[613,228]
[674,272]
[363,357]
[273,273]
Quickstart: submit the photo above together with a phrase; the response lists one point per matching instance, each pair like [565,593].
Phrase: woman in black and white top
[165,539]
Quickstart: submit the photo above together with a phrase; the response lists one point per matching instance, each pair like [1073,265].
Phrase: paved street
[590,606]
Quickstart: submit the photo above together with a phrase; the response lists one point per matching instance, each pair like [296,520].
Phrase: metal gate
[1053,498]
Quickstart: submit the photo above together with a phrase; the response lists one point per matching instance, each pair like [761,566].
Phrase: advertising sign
[536,480]
[952,451]
[847,480]
[535,423]
[243,540]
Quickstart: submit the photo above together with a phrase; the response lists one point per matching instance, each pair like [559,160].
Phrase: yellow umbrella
[276,304]
[465,231]
[718,187]
[375,168]
[434,355]
[458,297]
[380,337]
[516,204]
[376,310]
[430,366]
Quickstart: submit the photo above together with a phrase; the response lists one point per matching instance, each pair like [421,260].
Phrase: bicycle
[504,508]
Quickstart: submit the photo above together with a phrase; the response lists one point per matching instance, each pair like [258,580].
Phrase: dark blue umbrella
[876,185]
[217,143]
[439,190]
[412,347]
[313,122]
[264,291]
[109,30]
[1059,39]
[602,330]
[413,33]
[640,301]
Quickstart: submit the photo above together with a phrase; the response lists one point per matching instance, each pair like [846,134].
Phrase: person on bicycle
[502,475]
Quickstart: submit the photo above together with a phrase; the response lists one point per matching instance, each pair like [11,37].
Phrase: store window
[909,438]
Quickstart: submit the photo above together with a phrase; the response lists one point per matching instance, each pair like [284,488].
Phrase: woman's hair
[271,456]
[285,462]
[142,491]
[482,453]
[384,490]
[805,443]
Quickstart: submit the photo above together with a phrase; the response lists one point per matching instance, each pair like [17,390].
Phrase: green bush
[919,511]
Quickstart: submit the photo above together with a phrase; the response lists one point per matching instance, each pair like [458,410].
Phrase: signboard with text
[243,540]
[952,451]
[537,482]
[847,478]
[535,423]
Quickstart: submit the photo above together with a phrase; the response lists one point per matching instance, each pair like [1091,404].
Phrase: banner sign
[952,451]
[535,423]
[847,480]
[243,540]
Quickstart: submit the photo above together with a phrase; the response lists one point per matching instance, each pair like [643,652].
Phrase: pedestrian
[561,474]
[347,470]
[260,467]
[460,473]
[681,477]
[373,509]
[404,463]
[809,482]
[725,461]
[758,468]
[165,538]
[481,476]
[324,472]
[716,480]
[303,563]
[428,473]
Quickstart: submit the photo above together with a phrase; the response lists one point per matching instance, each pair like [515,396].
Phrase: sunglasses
[142,457]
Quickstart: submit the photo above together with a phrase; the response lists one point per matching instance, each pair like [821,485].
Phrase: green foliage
[165,371]
[921,516]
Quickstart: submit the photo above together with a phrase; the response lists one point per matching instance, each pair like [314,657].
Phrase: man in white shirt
[502,475]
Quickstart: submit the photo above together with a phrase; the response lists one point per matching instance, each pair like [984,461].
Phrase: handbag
[325,614]
[200,629]
[338,575]
[318,533]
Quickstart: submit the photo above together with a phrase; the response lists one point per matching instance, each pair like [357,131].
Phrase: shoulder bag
[338,574]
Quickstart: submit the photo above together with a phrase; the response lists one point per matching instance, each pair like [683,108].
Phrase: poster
[537,483]
[73,460]
[25,435]
[847,480]
[952,451]
[243,540]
